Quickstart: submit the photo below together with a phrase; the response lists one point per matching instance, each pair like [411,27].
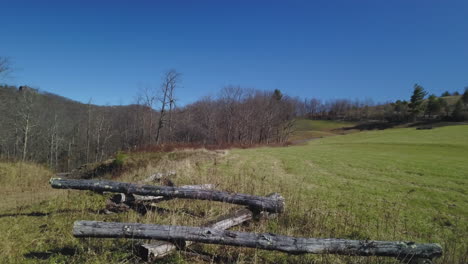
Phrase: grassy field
[396,184]
[305,129]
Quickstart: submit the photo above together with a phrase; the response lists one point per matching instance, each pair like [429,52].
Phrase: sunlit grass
[305,129]
[398,184]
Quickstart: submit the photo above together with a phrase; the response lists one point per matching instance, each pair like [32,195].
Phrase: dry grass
[401,184]
[22,184]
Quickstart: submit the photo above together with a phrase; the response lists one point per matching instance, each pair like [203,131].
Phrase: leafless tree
[88,130]
[5,66]
[170,82]
[25,119]
[147,97]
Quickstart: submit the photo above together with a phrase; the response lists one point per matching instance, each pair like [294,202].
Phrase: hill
[394,184]
[64,134]
[59,132]
[306,129]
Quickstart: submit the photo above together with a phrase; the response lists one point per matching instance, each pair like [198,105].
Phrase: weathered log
[294,245]
[255,202]
[158,249]
[121,202]
[134,198]
[158,176]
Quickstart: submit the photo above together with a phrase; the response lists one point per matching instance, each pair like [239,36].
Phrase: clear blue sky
[326,49]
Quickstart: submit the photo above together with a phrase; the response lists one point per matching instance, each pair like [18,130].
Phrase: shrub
[119,159]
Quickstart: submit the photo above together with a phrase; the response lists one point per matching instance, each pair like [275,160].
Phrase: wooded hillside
[46,128]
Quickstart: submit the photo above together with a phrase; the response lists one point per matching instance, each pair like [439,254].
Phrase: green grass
[320,125]
[305,129]
[396,184]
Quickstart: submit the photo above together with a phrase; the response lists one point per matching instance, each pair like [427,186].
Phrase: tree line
[419,107]
[64,134]
[46,128]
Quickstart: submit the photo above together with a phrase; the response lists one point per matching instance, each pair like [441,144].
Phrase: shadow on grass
[40,214]
[199,254]
[144,209]
[43,255]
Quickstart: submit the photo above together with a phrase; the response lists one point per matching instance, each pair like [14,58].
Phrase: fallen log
[159,176]
[121,202]
[261,203]
[293,245]
[158,249]
[135,198]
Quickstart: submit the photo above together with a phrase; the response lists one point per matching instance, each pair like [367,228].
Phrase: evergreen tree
[417,99]
[277,95]
[457,113]
[464,97]
[446,93]
[444,106]
[433,105]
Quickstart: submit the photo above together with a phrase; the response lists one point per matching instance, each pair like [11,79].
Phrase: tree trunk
[260,203]
[267,241]
[25,138]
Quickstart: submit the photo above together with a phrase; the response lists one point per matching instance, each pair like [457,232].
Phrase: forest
[46,128]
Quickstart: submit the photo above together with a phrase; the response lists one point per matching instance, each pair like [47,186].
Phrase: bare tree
[5,66]
[88,130]
[147,98]
[171,79]
[53,143]
[24,119]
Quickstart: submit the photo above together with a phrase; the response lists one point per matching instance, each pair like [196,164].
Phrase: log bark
[159,249]
[135,198]
[255,202]
[293,245]
[121,202]
[158,177]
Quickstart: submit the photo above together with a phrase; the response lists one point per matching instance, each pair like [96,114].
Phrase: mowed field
[396,184]
[305,129]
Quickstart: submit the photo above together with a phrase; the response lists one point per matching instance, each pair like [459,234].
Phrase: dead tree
[25,117]
[88,130]
[257,203]
[4,66]
[267,241]
[147,98]
[171,78]
[54,143]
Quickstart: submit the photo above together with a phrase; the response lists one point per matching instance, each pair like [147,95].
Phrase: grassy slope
[23,184]
[452,100]
[305,129]
[399,184]
[395,184]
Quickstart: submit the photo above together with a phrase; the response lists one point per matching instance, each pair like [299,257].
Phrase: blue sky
[107,50]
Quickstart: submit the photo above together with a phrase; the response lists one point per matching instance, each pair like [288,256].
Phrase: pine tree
[417,99]
[446,93]
[433,105]
[277,95]
[457,113]
[464,97]
[444,106]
